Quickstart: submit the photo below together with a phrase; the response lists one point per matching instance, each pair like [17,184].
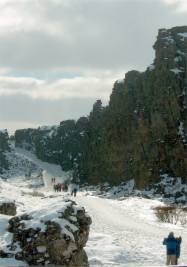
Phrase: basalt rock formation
[51,237]
[4,147]
[8,208]
[140,135]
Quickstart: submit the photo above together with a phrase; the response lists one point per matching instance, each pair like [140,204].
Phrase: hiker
[74,189]
[179,240]
[55,187]
[171,248]
[65,187]
[53,180]
[62,187]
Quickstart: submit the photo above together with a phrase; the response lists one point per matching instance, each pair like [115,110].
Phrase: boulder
[55,237]
[8,208]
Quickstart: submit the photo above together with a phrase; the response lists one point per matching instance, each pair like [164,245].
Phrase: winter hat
[171,234]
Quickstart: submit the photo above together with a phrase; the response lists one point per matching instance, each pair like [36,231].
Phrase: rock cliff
[140,135]
[4,147]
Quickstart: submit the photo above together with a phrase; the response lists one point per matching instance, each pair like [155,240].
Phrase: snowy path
[123,236]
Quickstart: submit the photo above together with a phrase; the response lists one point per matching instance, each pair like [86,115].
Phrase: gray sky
[58,56]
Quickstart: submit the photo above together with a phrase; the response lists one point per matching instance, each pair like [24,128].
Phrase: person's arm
[164,242]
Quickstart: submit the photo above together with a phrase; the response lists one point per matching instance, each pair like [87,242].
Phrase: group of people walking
[63,187]
[172,248]
[60,187]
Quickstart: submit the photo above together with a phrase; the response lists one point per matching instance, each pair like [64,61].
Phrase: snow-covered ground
[49,170]
[127,233]
[123,233]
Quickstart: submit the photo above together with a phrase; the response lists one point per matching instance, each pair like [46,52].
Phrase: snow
[11,262]
[82,133]
[19,166]
[129,225]
[178,59]
[50,130]
[41,249]
[181,131]
[181,53]
[176,71]
[3,131]
[50,211]
[41,209]
[5,237]
[120,191]
[163,30]
[151,67]
[46,128]
[125,231]
[168,39]
[49,170]
[120,81]
[5,200]
[183,34]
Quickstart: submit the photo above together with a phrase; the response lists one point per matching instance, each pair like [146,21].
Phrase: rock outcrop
[4,147]
[51,236]
[63,144]
[8,208]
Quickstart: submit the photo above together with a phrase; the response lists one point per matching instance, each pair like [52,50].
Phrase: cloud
[25,16]
[17,111]
[12,125]
[81,35]
[77,87]
[58,56]
[180,5]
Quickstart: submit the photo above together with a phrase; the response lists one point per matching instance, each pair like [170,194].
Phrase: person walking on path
[53,180]
[171,249]
[74,189]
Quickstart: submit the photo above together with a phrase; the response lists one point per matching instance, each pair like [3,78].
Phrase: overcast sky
[58,56]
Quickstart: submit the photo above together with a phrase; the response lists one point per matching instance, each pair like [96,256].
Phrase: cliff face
[145,126]
[142,133]
[4,147]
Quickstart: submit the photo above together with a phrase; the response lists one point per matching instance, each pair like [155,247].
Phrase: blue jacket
[171,245]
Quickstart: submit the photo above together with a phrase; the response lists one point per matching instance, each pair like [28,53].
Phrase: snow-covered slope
[48,170]
[43,206]
[32,195]
[124,233]
[23,163]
